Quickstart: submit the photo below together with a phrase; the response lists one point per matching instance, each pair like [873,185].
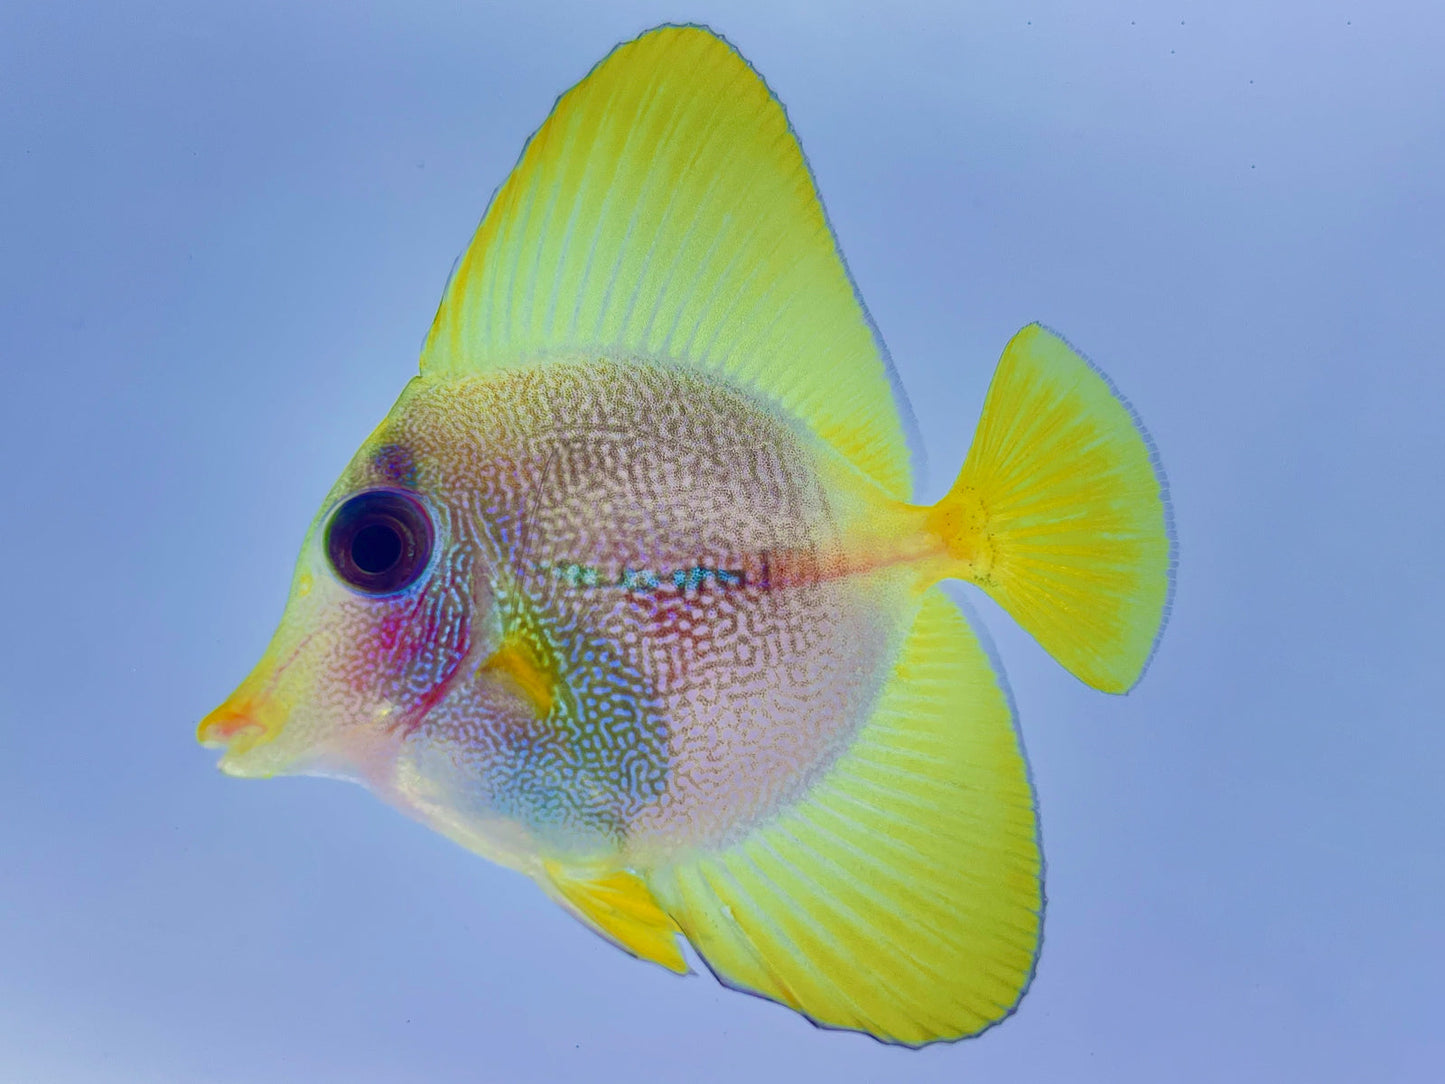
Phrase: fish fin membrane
[1061,513]
[903,897]
[664,212]
[618,906]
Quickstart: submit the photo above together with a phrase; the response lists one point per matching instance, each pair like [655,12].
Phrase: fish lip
[252,715]
[241,724]
[223,737]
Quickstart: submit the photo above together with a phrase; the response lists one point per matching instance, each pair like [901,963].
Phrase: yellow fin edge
[523,661]
[1061,513]
[620,907]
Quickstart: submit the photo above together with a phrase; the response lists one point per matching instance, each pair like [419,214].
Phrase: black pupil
[376,548]
[379,542]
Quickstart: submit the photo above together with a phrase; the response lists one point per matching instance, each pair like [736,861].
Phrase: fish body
[658,609]
[627,591]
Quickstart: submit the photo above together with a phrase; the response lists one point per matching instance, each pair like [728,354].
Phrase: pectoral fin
[620,907]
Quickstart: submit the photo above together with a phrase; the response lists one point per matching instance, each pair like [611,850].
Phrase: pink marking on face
[394,629]
[411,656]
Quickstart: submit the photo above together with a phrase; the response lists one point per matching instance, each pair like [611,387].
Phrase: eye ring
[379,542]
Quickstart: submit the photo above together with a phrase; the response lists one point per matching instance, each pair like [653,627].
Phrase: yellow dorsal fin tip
[664,211]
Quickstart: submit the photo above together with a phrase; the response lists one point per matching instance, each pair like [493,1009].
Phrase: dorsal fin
[664,212]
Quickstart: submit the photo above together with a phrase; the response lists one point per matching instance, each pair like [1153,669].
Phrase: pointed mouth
[254,714]
[241,724]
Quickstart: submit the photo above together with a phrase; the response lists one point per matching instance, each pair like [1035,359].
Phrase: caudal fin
[1061,513]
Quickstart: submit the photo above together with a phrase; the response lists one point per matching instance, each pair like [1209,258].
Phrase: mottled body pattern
[657,547]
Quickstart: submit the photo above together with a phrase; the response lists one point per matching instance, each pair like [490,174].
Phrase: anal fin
[620,907]
[903,896]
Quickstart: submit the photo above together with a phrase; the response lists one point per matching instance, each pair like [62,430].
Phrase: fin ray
[902,897]
[664,213]
[1061,513]
[618,906]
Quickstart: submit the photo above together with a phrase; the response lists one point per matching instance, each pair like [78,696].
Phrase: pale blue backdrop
[224,229]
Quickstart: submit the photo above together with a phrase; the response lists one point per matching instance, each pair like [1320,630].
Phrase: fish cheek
[543,748]
[394,658]
[454,772]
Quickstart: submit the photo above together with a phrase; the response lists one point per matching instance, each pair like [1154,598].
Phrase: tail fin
[1061,513]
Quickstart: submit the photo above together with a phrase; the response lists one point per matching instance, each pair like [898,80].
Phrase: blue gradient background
[223,232]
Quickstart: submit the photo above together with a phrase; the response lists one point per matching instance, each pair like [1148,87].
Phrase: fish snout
[243,722]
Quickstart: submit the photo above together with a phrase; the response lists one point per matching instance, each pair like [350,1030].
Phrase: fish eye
[379,542]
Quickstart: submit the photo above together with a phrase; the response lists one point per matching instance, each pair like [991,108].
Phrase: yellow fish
[627,591]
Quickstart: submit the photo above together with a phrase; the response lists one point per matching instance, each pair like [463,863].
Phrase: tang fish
[628,591]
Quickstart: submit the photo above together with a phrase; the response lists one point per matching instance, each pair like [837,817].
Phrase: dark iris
[379,542]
